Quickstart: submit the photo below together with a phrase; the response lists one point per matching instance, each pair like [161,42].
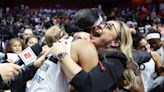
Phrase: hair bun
[71,28]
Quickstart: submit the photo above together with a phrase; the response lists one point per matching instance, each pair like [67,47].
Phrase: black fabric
[1,80]
[55,60]
[141,56]
[102,81]
[17,83]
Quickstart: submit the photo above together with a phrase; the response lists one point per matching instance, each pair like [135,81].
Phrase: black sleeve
[26,73]
[96,80]
[1,83]
[105,77]
[1,79]
[79,80]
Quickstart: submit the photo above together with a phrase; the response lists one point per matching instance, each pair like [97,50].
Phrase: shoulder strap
[152,56]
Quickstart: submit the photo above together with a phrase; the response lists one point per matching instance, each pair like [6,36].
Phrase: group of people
[81,57]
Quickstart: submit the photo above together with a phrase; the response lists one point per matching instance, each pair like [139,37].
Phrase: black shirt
[98,80]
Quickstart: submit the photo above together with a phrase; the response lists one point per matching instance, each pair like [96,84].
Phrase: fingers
[17,67]
[41,59]
[58,48]
[9,70]
[14,69]
[8,76]
[47,52]
[14,72]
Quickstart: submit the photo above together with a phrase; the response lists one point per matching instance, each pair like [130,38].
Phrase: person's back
[83,51]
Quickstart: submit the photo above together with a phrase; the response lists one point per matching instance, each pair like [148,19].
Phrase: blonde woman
[102,33]
[101,36]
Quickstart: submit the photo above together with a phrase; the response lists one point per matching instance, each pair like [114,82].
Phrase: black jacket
[105,77]
[107,80]
[141,56]
[26,73]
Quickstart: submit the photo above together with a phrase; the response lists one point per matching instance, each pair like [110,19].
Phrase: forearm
[69,67]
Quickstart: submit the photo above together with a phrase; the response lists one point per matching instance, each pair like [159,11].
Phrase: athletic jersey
[148,73]
[161,53]
[50,77]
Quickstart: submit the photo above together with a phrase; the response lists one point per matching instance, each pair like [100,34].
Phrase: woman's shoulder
[154,53]
[114,55]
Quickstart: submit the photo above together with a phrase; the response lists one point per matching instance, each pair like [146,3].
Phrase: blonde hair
[130,74]
[53,34]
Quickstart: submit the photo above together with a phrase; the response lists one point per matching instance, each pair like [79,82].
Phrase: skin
[16,47]
[100,36]
[27,33]
[9,70]
[79,55]
[32,41]
[155,44]
[104,35]
[144,44]
[71,68]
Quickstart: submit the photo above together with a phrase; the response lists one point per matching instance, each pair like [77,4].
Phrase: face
[155,44]
[27,33]
[16,47]
[143,45]
[103,34]
[32,41]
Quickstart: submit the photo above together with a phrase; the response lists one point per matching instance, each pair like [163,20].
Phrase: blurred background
[16,15]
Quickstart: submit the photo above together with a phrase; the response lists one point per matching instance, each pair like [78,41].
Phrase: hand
[132,30]
[45,48]
[82,35]
[10,60]
[58,48]
[9,70]
[40,60]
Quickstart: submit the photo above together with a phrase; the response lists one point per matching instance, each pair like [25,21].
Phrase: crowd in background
[14,20]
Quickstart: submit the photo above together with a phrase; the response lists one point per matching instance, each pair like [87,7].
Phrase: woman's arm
[68,65]
[158,64]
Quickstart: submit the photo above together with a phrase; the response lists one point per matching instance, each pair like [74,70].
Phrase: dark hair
[33,36]
[83,20]
[136,39]
[100,12]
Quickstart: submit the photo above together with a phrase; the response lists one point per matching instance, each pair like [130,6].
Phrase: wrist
[61,56]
